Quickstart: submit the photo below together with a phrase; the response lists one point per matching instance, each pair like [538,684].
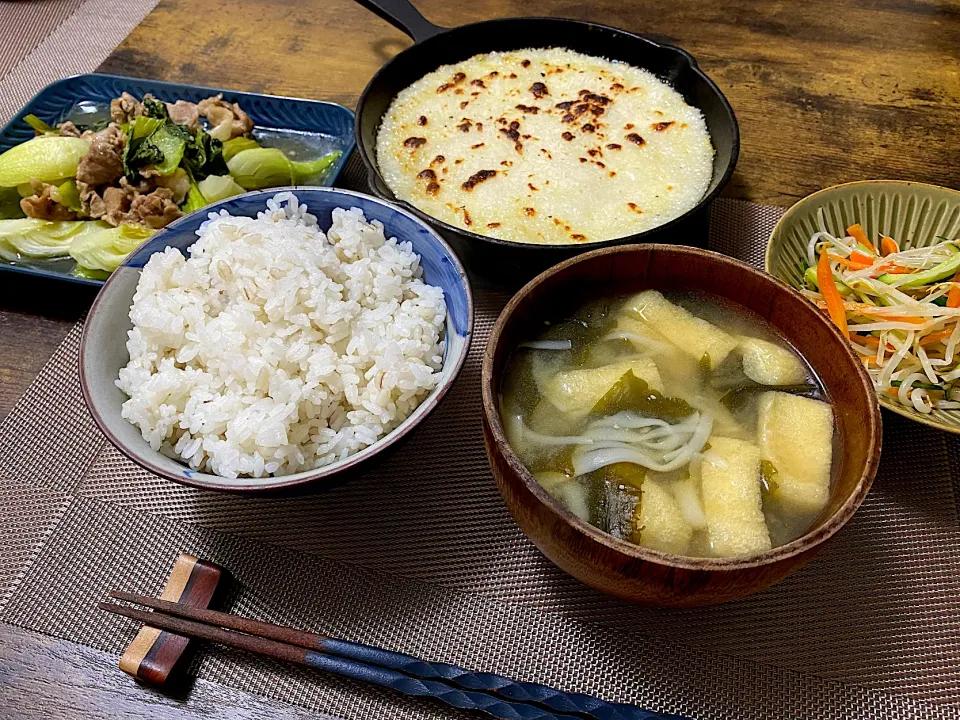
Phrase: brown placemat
[421,556]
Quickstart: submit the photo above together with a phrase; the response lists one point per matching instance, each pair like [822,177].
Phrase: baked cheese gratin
[545,146]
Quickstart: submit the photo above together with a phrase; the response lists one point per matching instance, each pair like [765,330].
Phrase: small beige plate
[914,214]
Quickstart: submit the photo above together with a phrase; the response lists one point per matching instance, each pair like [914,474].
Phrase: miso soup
[683,423]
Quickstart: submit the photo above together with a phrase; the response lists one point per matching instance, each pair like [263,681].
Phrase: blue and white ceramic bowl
[103,345]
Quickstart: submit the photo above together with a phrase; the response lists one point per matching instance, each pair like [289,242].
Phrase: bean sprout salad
[899,309]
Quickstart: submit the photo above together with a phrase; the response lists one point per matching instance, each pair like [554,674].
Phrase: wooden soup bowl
[620,568]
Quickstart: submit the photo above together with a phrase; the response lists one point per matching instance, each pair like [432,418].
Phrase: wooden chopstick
[250,626]
[385,677]
[495,694]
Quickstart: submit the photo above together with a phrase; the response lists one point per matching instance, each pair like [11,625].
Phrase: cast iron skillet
[510,263]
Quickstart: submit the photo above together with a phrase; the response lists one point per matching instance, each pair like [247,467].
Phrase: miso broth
[684,423]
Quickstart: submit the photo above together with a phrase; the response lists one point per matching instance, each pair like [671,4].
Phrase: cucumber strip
[937,273]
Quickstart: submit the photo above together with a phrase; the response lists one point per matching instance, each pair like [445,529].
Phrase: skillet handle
[403,16]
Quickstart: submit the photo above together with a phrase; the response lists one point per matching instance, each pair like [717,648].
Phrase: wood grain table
[825,92]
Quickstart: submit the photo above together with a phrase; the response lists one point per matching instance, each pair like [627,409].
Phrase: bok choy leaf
[10,204]
[219,187]
[195,198]
[238,144]
[106,248]
[38,125]
[45,158]
[260,168]
[39,239]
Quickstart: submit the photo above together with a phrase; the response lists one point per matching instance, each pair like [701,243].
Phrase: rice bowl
[277,348]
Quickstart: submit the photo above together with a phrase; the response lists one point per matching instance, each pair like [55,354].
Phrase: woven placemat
[44,40]
[420,555]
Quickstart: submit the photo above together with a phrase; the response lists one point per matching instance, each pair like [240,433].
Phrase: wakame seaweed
[633,393]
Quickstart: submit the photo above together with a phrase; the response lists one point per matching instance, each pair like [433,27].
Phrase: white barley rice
[276,348]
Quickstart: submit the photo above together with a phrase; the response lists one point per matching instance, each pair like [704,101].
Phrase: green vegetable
[944,270]
[236,145]
[219,187]
[38,125]
[99,125]
[633,393]
[203,156]
[45,158]
[260,168]
[69,195]
[810,278]
[312,171]
[25,190]
[738,398]
[561,461]
[139,151]
[195,198]
[768,478]
[920,385]
[171,141]
[33,238]
[705,364]
[82,272]
[10,204]
[165,145]
[143,127]
[155,109]
[107,247]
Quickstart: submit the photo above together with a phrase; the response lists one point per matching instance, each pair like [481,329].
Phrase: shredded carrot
[953,297]
[858,257]
[895,318]
[855,261]
[936,337]
[892,269]
[888,245]
[867,360]
[847,263]
[892,391]
[831,295]
[857,233]
[870,341]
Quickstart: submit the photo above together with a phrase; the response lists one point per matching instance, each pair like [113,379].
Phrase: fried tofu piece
[695,336]
[769,364]
[577,391]
[730,485]
[631,325]
[658,522]
[796,434]
[567,490]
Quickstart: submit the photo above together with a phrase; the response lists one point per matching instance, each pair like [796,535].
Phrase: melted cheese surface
[545,146]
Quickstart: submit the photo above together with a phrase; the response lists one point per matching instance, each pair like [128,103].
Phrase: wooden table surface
[825,92]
